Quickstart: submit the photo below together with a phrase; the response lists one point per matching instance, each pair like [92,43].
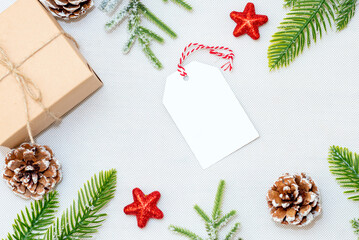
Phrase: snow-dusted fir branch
[118,18]
[214,223]
[109,5]
[135,11]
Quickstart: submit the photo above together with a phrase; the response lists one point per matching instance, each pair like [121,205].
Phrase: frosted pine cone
[294,200]
[68,9]
[31,170]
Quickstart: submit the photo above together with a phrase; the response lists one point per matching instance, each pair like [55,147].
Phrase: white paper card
[207,113]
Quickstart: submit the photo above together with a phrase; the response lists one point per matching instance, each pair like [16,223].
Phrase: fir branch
[130,42]
[133,25]
[233,231]
[134,17]
[185,232]
[82,219]
[181,3]
[303,23]
[134,12]
[152,17]
[218,201]
[355,225]
[211,231]
[345,13]
[108,5]
[150,34]
[117,18]
[345,165]
[149,54]
[212,225]
[103,4]
[36,219]
[225,219]
[202,214]
[289,3]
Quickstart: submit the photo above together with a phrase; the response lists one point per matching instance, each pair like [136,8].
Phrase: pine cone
[68,9]
[31,170]
[294,199]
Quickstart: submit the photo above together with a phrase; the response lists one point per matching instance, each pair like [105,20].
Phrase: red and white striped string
[216,50]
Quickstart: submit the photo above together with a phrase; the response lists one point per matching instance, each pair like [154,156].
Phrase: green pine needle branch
[345,165]
[303,24]
[34,221]
[289,3]
[134,11]
[214,223]
[181,3]
[355,225]
[345,13]
[80,221]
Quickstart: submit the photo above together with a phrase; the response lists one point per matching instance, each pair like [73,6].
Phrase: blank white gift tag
[207,113]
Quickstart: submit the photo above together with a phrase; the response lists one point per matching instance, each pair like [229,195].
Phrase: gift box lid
[53,63]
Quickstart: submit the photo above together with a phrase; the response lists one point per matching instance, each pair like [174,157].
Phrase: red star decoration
[248,22]
[144,207]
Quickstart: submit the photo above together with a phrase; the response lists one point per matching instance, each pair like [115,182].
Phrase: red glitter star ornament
[144,207]
[248,22]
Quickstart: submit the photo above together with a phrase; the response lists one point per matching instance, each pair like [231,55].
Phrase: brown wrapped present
[41,67]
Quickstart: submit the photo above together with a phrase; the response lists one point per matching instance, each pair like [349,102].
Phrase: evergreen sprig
[345,165]
[83,219]
[80,221]
[345,13]
[181,3]
[134,11]
[304,24]
[214,223]
[34,221]
[306,20]
[355,225]
[289,3]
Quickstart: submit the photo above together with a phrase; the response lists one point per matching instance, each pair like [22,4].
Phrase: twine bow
[28,87]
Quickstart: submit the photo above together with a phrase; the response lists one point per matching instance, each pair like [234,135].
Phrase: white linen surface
[299,112]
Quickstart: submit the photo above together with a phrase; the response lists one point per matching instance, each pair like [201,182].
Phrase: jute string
[28,87]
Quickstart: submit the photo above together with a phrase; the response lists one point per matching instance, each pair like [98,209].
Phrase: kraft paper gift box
[33,40]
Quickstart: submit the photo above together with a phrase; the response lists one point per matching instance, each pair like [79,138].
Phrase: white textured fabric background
[299,112]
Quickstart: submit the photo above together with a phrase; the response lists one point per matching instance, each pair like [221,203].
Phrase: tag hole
[186,78]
